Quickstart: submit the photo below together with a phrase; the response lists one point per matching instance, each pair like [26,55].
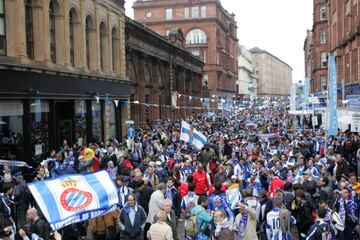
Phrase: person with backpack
[199,221]
[320,229]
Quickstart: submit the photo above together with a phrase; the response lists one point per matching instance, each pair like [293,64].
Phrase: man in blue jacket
[132,219]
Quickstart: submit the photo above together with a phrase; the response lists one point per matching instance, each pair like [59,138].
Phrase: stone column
[41,43]
[141,91]
[12,23]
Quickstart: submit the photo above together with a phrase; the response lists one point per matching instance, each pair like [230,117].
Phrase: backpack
[325,232]
[191,227]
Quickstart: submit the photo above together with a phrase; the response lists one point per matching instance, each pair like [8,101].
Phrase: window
[52,32]
[11,130]
[203,56]
[203,11]
[114,41]
[323,59]
[112,120]
[186,13]
[87,33]
[323,13]
[205,80]
[196,36]
[195,12]
[71,34]
[102,45]
[322,37]
[169,14]
[80,122]
[39,115]
[2,29]
[195,52]
[323,82]
[29,29]
[97,121]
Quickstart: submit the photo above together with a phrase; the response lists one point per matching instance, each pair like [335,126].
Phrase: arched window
[102,45]
[52,32]
[29,29]
[115,50]
[71,35]
[89,26]
[196,36]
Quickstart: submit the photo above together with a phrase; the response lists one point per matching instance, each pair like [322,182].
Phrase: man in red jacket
[276,183]
[200,180]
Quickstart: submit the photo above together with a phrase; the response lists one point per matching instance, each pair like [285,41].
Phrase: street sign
[131,131]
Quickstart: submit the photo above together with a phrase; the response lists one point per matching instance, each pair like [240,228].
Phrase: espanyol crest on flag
[75,198]
[192,136]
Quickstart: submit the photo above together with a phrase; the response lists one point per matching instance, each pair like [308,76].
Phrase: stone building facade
[275,76]
[247,74]
[62,67]
[210,33]
[157,67]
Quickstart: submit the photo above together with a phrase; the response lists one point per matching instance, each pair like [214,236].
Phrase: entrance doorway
[64,113]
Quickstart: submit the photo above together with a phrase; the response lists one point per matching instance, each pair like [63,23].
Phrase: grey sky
[277,26]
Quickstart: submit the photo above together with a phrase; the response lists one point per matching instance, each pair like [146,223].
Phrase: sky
[277,26]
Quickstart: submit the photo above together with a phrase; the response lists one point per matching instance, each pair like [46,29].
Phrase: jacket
[172,223]
[160,231]
[176,200]
[250,232]
[342,168]
[304,217]
[156,204]
[40,228]
[132,230]
[201,183]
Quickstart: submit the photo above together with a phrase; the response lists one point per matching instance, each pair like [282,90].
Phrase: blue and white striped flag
[75,198]
[192,136]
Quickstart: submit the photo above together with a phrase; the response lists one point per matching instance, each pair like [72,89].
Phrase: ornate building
[62,74]
[157,67]
[210,33]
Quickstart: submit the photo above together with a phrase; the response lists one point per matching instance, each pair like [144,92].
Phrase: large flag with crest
[192,136]
[75,198]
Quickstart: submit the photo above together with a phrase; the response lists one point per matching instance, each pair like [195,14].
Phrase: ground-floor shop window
[80,122]
[11,130]
[112,120]
[96,112]
[39,114]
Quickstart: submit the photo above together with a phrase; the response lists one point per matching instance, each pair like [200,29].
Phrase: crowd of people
[257,177]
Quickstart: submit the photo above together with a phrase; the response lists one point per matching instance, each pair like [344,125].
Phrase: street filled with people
[262,174]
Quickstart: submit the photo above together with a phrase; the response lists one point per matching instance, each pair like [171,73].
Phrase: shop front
[39,112]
